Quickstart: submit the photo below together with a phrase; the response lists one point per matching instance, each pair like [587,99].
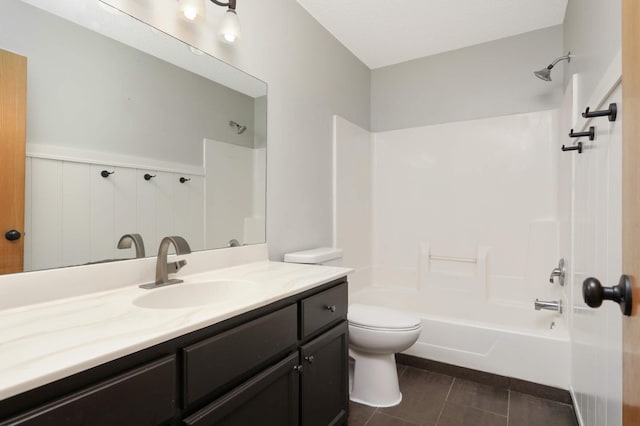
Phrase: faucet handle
[558,272]
[174,267]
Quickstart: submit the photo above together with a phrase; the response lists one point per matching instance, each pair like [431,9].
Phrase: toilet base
[374,380]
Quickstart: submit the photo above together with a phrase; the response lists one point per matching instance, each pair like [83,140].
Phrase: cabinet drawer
[144,396]
[221,359]
[323,309]
[269,398]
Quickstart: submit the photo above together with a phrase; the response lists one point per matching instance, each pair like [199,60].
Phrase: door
[13,125]
[631,205]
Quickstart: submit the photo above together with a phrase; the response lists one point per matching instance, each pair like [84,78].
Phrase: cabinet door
[325,378]
[269,399]
[144,396]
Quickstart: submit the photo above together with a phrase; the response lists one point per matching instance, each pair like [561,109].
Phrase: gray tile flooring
[432,399]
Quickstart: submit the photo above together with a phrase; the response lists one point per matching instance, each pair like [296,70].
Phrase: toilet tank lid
[381,317]
[317,255]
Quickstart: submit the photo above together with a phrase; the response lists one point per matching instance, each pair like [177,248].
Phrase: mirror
[131,131]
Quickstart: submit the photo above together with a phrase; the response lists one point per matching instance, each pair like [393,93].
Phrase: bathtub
[508,340]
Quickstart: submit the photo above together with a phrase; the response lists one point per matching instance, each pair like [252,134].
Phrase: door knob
[594,293]
[12,235]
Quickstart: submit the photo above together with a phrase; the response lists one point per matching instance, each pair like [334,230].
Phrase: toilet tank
[329,256]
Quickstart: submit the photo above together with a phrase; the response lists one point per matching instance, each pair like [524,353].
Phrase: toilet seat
[374,318]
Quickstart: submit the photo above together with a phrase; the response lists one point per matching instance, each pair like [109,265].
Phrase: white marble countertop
[44,342]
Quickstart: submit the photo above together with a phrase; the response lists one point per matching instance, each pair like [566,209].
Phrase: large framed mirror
[128,132]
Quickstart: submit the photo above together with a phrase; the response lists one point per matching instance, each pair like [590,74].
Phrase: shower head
[239,128]
[545,73]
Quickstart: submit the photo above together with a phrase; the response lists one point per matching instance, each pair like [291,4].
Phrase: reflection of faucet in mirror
[233,243]
[163,268]
[136,239]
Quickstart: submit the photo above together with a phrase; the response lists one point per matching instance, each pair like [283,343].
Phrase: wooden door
[13,123]
[631,205]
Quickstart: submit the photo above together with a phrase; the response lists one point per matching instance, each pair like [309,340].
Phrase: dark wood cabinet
[324,385]
[269,398]
[236,353]
[283,364]
[144,396]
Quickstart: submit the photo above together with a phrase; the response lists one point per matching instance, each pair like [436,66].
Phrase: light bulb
[229,30]
[190,13]
[192,10]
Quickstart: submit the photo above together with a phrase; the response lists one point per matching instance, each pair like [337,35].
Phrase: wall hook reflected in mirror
[239,128]
[147,176]
[184,179]
[105,173]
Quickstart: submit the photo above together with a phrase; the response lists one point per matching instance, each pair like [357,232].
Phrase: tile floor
[433,399]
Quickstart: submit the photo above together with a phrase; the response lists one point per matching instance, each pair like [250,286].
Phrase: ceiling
[386,32]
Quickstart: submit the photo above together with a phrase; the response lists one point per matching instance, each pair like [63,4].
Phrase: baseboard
[517,385]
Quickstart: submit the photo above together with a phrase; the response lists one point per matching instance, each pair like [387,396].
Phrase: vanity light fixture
[194,11]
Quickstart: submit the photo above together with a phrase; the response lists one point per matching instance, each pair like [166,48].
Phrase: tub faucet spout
[554,305]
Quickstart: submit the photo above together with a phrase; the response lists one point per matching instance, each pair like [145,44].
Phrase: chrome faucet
[554,305]
[127,239]
[163,268]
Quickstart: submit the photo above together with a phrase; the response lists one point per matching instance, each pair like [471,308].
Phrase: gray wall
[593,33]
[311,76]
[485,80]
[86,91]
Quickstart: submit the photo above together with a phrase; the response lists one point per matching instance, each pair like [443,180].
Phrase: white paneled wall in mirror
[77,216]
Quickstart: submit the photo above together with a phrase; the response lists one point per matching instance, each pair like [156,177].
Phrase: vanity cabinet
[309,387]
[282,364]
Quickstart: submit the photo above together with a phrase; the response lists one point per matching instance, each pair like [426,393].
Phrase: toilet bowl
[376,334]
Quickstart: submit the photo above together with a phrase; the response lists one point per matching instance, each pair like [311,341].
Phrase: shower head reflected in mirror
[545,73]
[239,128]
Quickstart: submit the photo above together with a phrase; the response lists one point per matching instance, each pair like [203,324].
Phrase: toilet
[376,334]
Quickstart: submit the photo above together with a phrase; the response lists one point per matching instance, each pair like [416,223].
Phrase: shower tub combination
[503,339]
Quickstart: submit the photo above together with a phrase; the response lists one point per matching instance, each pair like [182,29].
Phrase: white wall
[311,76]
[232,190]
[593,33]
[596,206]
[353,163]
[455,190]
[458,187]
[486,80]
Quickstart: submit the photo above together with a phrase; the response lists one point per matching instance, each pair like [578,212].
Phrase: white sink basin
[187,295]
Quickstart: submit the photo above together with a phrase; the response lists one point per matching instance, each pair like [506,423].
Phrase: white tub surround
[498,338]
[46,340]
